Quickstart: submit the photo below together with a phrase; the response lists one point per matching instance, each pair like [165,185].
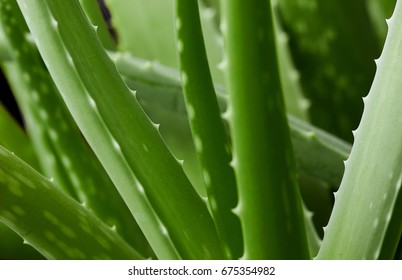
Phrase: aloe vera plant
[107,127]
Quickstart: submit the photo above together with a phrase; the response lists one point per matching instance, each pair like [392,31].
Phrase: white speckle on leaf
[184,78]
[233,162]
[43,114]
[92,102]
[208,13]
[28,36]
[54,22]
[15,189]
[26,77]
[207,177]
[178,23]
[140,188]
[227,115]
[51,218]
[180,46]
[116,145]
[213,204]
[53,135]
[223,26]
[389,216]
[49,235]
[51,160]
[66,161]
[223,64]
[294,75]
[163,229]
[35,96]
[146,66]
[198,144]
[399,183]
[145,147]
[74,179]
[103,242]
[18,210]
[191,111]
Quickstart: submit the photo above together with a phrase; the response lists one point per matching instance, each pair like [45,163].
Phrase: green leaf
[126,142]
[318,153]
[334,57]
[5,53]
[269,200]
[63,153]
[50,221]
[209,135]
[94,13]
[14,138]
[157,18]
[380,10]
[151,17]
[367,200]
[295,102]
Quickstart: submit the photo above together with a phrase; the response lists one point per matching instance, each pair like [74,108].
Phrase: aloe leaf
[12,246]
[4,48]
[313,239]
[121,135]
[124,176]
[380,10]
[334,58]
[212,3]
[208,130]
[213,41]
[63,153]
[53,223]
[30,89]
[268,191]
[317,152]
[373,172]
[14,138]
[157,18]
[94,13]
[151,17]
[4,51]
[390,244]
[295,102]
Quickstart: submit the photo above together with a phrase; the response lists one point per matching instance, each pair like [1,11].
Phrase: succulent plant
[184,129]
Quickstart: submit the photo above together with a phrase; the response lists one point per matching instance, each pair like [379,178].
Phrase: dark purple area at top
[108,19]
